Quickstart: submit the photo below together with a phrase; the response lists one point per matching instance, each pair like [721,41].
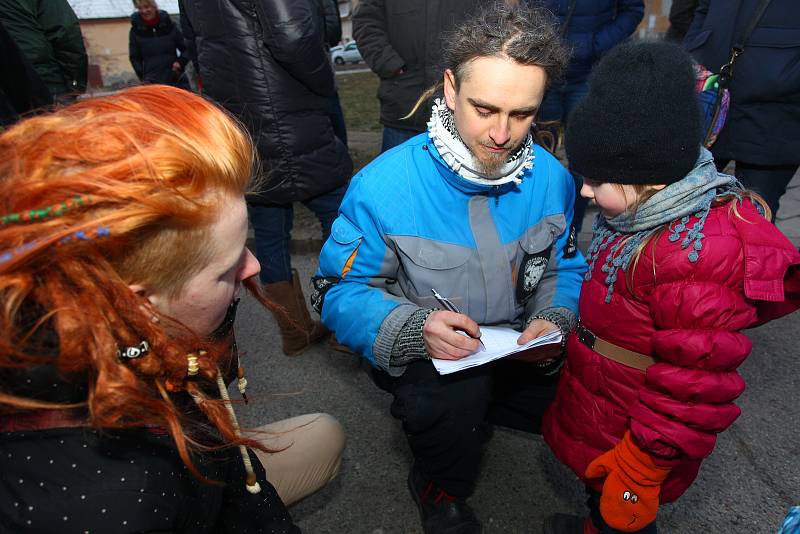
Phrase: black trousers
[769,181]
[446,418]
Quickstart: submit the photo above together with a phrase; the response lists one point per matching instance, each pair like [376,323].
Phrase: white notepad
[499,342]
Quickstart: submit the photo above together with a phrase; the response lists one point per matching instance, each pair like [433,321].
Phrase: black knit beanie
[640,122]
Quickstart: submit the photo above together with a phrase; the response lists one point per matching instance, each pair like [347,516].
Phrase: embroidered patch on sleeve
[321,284]
[530,273]
[571,247]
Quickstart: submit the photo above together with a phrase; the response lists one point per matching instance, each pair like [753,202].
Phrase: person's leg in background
[272,226]
[337,117]
[552,106]
[769,181]
[574,92]
[308,452]
[326,208]
[395,136]
[558,103]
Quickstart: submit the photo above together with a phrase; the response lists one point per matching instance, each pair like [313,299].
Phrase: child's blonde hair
[644,192]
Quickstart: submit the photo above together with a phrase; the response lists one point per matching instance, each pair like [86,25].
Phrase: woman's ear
[143,292]
[138,289]
[154,301]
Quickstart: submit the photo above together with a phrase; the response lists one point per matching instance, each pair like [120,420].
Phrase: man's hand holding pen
[439,337]
[442,339]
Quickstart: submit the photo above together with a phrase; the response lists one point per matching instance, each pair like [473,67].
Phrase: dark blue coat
[596,26]
[763,124]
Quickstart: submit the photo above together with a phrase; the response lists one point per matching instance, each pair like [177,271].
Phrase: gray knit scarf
[675,206]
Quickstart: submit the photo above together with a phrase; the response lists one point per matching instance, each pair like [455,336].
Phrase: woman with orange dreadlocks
[122,249]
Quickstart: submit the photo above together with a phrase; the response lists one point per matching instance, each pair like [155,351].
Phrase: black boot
[441,513]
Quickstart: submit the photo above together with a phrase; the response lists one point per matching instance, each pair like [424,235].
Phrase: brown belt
[613,352]
[43,420]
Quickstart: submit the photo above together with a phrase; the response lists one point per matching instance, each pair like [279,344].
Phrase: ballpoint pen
[449,306]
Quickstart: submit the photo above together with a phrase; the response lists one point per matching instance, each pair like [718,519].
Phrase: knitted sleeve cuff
[388,333]
[565,320]
[410,344]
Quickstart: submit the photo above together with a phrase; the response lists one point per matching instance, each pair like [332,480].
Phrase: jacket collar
[164,22]
[459,182]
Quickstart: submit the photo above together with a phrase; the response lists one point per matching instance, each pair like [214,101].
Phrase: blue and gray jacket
[408,223]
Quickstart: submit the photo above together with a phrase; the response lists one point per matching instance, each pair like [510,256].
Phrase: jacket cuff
[389,68]
[388,333]
[565,320]
[410,343]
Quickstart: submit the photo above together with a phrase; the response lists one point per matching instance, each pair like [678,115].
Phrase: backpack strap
[726,71]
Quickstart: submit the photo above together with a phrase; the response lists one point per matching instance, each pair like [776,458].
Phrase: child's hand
[633,481]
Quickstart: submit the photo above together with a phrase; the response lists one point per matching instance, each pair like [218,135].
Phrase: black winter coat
[21,88]
[763,125]
[153,50]
[48,33]
[266,62]
[407,34]
[80,479]
[84,480]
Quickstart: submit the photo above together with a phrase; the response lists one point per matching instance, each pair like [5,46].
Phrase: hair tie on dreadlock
[56,210]
[193,367]
[136,351]
[80,235]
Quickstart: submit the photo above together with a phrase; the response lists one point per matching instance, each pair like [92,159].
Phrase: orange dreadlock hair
[109,192]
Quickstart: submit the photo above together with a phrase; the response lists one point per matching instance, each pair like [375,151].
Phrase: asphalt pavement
[746,486]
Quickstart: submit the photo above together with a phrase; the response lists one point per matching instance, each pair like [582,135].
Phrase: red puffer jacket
[688,317]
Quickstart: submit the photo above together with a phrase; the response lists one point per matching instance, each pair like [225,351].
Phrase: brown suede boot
[298,330]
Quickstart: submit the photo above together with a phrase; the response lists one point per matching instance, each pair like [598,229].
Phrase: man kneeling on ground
[475,209]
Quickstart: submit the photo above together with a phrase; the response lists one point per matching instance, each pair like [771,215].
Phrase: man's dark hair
[529,36]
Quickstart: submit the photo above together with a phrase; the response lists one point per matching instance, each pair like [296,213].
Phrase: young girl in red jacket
[681,261]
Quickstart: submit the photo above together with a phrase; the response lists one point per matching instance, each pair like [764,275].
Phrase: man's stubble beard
[493,163]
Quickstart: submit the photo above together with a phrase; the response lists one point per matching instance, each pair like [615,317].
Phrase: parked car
[346,54]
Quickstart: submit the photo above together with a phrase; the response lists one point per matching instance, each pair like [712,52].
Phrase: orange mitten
[633,481]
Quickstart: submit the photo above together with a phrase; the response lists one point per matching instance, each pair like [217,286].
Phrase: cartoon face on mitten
[629,501]
[629,506]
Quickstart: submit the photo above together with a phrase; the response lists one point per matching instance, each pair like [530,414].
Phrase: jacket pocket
[533,256]
[426,264]
[769,68]
[406,26]
[342,247]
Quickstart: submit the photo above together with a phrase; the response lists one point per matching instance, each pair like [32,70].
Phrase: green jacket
[47,31]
